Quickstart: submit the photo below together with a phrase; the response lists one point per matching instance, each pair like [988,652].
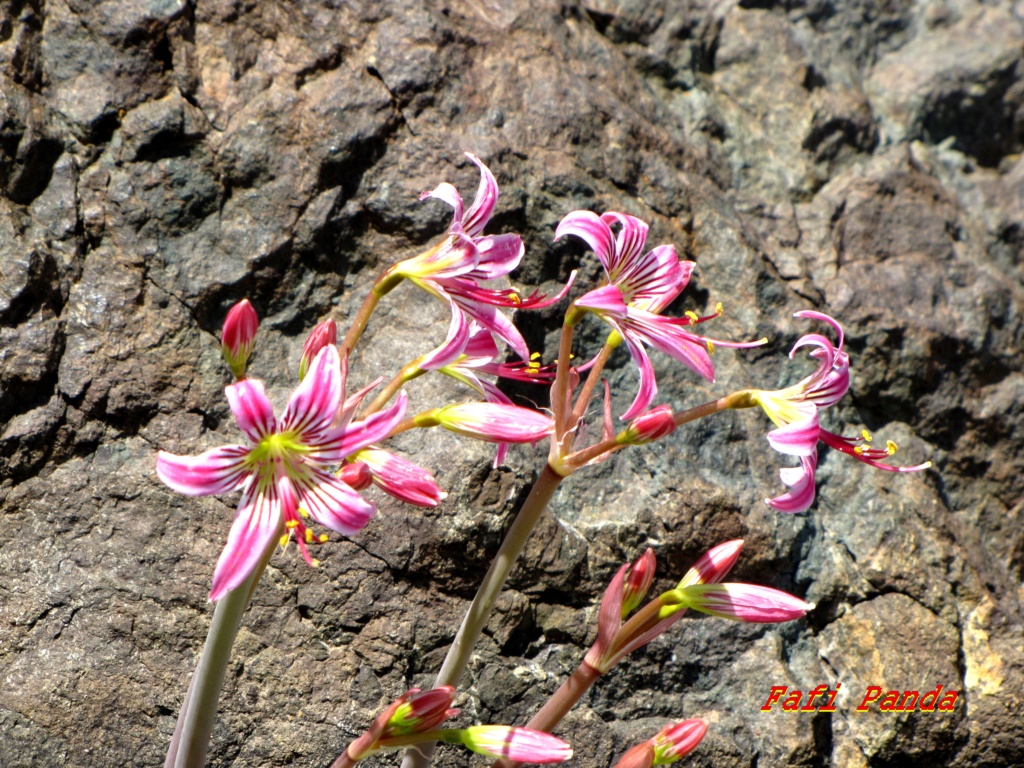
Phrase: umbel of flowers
[319,461]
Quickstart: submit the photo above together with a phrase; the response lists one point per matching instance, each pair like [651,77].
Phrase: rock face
[160,160]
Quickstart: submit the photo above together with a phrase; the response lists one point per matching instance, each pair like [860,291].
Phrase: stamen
[309,536]
[303,512]
[891,447]
[866,435]
[535,356]
[711,347]
[719,309]
[323,537]
[859,450]
[283,541]
[291,525]
[692,316]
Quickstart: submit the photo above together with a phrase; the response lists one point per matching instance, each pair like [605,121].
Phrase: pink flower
[325,334]
[454,270]
[400,478]
[795,410]
[240,327]
[739,602]
[284,469]
[640,286]
[647,427]
[491,422]
[520,744]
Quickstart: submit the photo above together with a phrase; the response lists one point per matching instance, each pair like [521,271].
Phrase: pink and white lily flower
[455,269]
[283,468]
[640,286]
[795,411]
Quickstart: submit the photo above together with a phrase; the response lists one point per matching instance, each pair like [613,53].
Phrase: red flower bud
[237,336]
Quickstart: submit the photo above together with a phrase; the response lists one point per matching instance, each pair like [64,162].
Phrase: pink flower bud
[237,336]
[641,575]
[739,602]
[519,744]
[492,422]
[356,475]
[401,478]
[674,742]
[422,711]
[653,425]
[714,565]
[325,334]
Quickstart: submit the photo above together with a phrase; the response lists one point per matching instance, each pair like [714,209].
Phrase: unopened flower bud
[492,422]
[325,334]
[653,425]
[641,576]
[356,475]
[422,711]
[522,745]
[739,602]
[400,478]
[676,741]
[714,565]
[237,337]
[640,756]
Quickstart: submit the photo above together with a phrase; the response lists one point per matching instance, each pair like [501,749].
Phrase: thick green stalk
[457,660]
[199,709]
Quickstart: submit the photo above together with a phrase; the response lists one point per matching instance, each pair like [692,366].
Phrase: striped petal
[314,404]
[454,344]
[799,438]
[800,481]
[332,503]
[220,470]
[253,412]
[648,386]
[482,209]
[629,243]
[360,434]
[448,194]
[652,282]
[590,228]
[498,255]
[257,523]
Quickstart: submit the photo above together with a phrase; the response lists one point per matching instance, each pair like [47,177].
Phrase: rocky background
[160,160]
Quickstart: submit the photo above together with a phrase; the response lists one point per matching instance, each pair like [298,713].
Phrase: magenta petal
[797,439]
[629,244]
[454,344]
[256,524]
[480,212]
[589,227]
[373,429]
[800,481]
[333,504]
[447,193]
[401,478]
[745,602]
[812,315]
[607,300]
[499,255]
[654,280]
[671,337]
[314,404]
[648,386]
[494,321]
[253,412]
[220,470]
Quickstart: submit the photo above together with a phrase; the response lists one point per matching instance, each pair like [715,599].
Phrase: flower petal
[454,344]
[745,602]
[590,228]
[360,434]
[482,209]
[607,301]
[253,412]
[401,478]
[332,503]
[799,438]
[499,255]
[648,386]
[448,194]
[314,404]
[801,487]
[219,470]
[629,243]
[256,525]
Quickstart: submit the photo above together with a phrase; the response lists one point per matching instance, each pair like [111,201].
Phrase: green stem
[408,373]
[560,389]
[588,386]
[558,706]
[457,660]
[385,283]
[199,709]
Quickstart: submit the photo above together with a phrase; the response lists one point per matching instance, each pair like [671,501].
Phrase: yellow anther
[572,356]
[866,435]
[303,512]
[535,356]
[291,525]
[859,450]
[711,347]
[692,316]
[719,309]
[283,541]
[323,537]
[316,563]
[309,536]
[514,297]
[891,447]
